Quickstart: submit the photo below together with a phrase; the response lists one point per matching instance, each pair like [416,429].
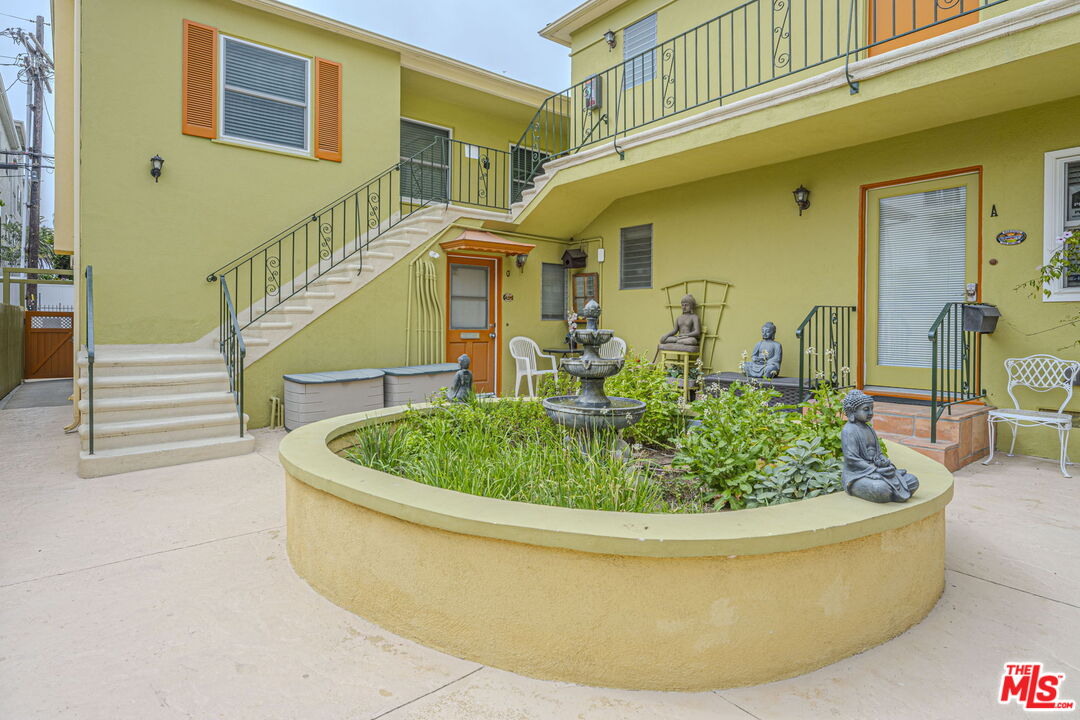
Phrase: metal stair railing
[446,171]
[826,350]
[232,348]
[88,334]
[955,363]
[749,46]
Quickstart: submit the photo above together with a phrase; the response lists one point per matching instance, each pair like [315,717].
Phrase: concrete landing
[166,593]
[38,393]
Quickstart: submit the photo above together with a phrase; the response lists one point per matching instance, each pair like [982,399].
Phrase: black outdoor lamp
[609,38]
[802,198]
[155,166]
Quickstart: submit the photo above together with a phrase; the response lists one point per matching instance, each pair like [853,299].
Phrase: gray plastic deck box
[317,396]
[416,383]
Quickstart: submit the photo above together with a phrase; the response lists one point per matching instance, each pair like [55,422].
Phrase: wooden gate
[49,349]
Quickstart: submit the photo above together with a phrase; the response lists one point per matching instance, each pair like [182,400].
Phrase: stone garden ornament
[867,473]
[767,356]
[461,390]
[686,336]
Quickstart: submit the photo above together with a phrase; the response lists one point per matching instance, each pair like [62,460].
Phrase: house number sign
[1011,237]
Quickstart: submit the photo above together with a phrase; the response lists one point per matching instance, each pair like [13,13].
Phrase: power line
[21,18]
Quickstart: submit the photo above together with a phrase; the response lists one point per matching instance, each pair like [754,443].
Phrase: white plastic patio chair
[613,349]
[1041,373]
[526,353]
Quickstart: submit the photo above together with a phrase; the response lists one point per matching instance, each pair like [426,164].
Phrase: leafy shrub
[806,470]
[663,420]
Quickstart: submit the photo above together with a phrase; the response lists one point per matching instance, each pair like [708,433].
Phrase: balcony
[774,74]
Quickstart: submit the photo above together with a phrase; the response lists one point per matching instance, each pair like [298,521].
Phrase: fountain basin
[565,410]
[582,367]
[593,336]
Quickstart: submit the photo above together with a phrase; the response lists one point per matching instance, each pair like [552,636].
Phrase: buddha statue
[767,356]
[461,390]
[867,473]
[686,336]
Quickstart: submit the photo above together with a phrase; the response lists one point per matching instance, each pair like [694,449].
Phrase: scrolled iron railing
[88,334]
[826,349]
[231,345]
[750,46]
[955,363]
[446,171]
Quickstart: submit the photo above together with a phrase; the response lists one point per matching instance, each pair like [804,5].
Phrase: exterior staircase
[156,406]
[266,332]
[962,435]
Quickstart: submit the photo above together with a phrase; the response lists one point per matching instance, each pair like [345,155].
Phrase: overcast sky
[498,35]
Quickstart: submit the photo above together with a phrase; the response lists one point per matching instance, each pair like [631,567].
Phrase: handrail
[955,363]
[89,335]
[232,347]
[830,360]
[747,47]
[445,171]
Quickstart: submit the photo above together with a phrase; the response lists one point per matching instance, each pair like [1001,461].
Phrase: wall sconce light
[155,166]
[802,198]
[609,38]
[519,260]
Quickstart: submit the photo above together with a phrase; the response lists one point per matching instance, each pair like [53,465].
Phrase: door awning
[480,241]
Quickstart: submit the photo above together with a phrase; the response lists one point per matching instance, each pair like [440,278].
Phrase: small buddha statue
[461,390]
[686,336]
[867,473]
[767,356]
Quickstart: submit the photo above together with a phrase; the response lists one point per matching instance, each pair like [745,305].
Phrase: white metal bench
[1041,373]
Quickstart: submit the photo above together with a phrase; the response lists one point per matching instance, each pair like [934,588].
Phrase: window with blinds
[921,266]
[425,161]
[264,95]
[552,292]
[635,257]
[1072,217]
[638,38]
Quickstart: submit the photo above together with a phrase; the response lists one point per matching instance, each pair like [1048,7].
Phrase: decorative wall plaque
[507,297]
[1011,237]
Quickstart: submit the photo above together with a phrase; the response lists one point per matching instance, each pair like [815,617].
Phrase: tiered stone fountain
[592,410]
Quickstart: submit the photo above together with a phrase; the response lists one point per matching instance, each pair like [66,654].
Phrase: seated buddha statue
[867,473]
[767,356]
[686,335]
[462,389]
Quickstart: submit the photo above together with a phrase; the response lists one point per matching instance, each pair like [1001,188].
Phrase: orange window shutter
[199,87]
[327,110]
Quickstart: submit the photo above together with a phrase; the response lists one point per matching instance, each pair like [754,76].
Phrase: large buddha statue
[686,335]
[767,356]
[867,473]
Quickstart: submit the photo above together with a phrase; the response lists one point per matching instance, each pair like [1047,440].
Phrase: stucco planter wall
[683,602]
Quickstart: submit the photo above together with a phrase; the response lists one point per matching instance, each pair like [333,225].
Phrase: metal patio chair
[1041,373]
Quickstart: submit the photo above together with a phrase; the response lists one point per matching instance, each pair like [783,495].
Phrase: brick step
[962,436]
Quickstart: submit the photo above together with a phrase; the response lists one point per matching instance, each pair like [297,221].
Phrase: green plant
[806,470]
[823,418]
[663,420]
[1064,261]
[739,433]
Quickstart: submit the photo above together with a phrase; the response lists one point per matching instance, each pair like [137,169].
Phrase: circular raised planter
[666,602]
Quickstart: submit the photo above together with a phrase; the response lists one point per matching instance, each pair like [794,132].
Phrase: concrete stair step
[134,433]
[251,340]
[319,294]
[113,461]
[161,384]
[332,280]
[295,309]
[273,325]
[111,363]
[146,407]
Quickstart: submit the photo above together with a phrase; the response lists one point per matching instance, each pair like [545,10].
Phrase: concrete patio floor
[167,594]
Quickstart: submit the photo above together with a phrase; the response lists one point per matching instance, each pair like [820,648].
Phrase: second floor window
[264,95]
[425,161]
[638,38]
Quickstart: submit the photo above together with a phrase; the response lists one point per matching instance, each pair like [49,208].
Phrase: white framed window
[1061,214]
[635,257]
[265,96]
[427,174]
[638,38]
[553,292]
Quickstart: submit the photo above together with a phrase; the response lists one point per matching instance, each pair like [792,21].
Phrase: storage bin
[318,396]
[415,383]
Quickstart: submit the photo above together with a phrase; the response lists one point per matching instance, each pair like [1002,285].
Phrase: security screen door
[921,251]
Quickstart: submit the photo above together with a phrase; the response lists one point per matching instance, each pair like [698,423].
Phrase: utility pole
[33,235]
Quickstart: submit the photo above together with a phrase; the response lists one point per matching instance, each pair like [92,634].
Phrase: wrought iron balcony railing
[750,46]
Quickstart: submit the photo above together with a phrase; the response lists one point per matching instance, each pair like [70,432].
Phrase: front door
[472,325]
[892,18]
[922,244]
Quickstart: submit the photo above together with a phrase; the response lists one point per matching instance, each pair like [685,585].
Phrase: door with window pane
[921,252]
[471,322]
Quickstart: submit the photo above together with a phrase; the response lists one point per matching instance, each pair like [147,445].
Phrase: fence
[11,347]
